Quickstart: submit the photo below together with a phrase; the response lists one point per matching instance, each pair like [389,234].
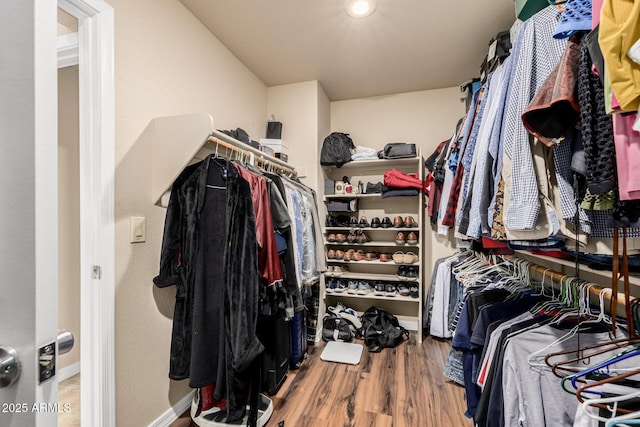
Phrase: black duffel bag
[381,329]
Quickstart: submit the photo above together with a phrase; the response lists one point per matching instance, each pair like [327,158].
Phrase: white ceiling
[406,45]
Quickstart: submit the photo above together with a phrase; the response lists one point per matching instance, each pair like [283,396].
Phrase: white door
[28,205]
[28,208]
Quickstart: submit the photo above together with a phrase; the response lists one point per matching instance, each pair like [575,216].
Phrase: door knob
[10,366]
[65,341]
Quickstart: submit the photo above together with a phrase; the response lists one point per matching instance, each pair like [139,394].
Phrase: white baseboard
[68,371]
[173,413]
[408,325]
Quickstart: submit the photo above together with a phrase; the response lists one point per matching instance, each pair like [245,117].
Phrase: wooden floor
[69,392]
[399,387]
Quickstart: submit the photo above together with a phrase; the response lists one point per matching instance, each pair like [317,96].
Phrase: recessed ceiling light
[360,8]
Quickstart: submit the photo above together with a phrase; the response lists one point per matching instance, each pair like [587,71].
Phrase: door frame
[97,206]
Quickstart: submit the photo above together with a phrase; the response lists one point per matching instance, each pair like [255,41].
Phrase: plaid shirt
[538,54]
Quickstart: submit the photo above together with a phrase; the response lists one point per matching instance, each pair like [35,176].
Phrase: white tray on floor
[342,352]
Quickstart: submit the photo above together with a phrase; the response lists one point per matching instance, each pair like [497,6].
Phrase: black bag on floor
[336,149]
[381,329]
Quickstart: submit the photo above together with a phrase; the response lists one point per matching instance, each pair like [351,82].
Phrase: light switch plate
[138,229]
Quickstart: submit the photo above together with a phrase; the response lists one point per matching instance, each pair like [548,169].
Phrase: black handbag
[399,150]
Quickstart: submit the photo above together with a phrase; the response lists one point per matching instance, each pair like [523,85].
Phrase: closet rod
[233,144]
[538,272]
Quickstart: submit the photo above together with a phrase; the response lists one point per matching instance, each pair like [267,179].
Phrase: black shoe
[341,221]
[375,222]
[412,273]
[374,188]
[330,221]
[413,291]
[353,222]
[363,222]
[402,272]
[386,222]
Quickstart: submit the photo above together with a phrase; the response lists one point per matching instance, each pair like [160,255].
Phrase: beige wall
[166,63]
[68,211]
[66,23]
[424,118]
[296,106]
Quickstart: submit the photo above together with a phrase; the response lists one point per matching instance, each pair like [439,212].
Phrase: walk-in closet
[313,214]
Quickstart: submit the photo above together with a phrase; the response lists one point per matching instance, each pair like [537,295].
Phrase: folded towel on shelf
[361,157]
[364,153]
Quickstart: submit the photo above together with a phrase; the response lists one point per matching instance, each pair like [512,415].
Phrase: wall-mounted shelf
[178,141]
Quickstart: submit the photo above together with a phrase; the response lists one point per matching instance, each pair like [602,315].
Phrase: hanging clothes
[209,253]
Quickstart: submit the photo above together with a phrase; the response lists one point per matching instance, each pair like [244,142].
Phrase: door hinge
[96,272]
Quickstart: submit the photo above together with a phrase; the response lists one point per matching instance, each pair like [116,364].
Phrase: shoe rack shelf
[372,296]
[374,276]
[352,196]
[365,262]
[395,230]
[406,308]
[379,243]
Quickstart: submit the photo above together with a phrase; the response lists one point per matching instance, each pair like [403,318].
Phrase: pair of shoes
[390,290]
[341,285]
[336,238]
[403,289]
[379,289]
[348,255]
[371,256]
[352,237]
[364,288]
[402,238]
[402,258]
[375,222]
[384,257]
[358,255]
[363,222]
[336,270]
[409,222]
[407,273]
[386,222]
[207,411]
[362,237]
[337,221]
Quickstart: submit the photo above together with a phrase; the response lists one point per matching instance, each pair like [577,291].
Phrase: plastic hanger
[597,402]
[631,351]
[569,334]
[616,379]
